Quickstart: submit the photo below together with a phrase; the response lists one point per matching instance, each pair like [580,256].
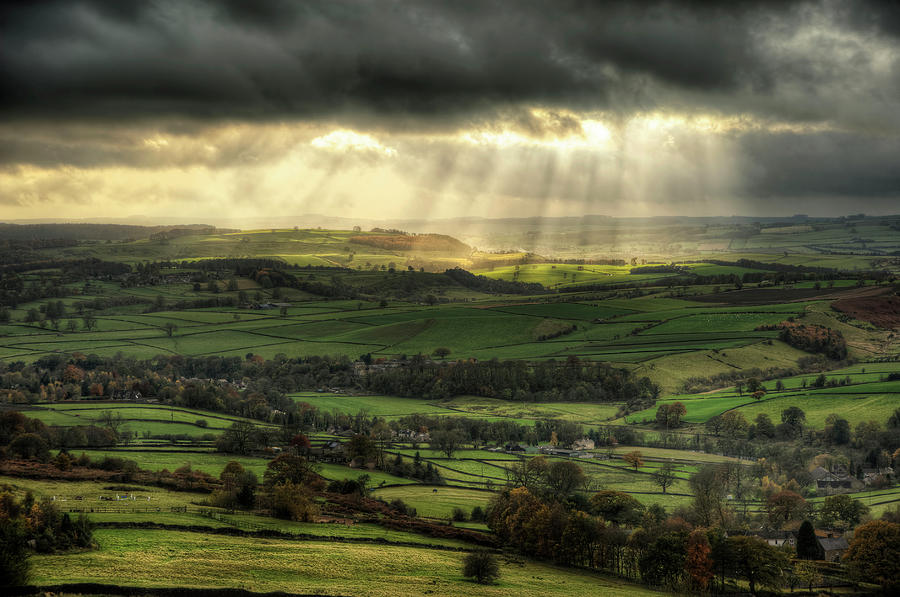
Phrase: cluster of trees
[30,439]
[811,338]
[288,490]
[490,285]
[668,416]
[289,486]
[695,549]
[27,526]
[548,381]
[870,444]
[658,551]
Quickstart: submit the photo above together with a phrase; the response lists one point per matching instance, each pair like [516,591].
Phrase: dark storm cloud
[253,59]
[820,165]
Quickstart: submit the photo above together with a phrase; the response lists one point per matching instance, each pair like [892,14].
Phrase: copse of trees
[668,553]
[811,338]
[548,381]
[874,555]
[290,482]
[29,525]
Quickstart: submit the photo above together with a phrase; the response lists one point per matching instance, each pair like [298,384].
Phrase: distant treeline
[485,284]
[59,232]
[255,387]
[14,291]
[660,269]
[549,381]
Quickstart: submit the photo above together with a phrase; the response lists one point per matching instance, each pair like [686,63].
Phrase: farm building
[832,484]
[831,548]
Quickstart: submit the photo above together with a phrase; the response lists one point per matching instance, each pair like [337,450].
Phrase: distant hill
[414,242]
[28,232]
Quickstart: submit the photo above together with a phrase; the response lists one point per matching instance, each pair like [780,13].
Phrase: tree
[764,426]
[808,574]
[634,459]
[874,554]
[734,424]
[238,439]
[447,441]
[482,566]
[239,487]
[754,385]
[842,511]
[785,506]
[564,477]
[662,563]
[807,546]
[15,564]
[288,468]
[293,502]
[758,563]
[361,446]
[616,507]
[441,352]
[170,328]
[664,476]
[837,430]
[669,415]
[894,420]
[29,446]
[709,487]
[698,563]
[89,322]
[793,416]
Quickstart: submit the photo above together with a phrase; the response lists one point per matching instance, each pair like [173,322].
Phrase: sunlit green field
[152,558]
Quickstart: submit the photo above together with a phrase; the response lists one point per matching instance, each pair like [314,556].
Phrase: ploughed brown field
[882,311]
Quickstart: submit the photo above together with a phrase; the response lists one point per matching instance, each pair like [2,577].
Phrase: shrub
[293,502]
[482,566]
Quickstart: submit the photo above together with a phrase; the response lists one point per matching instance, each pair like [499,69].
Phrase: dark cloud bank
[440,65]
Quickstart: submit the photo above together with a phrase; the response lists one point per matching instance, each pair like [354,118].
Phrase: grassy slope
[170,558]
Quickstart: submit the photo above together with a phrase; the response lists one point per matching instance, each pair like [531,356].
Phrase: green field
[151,558]
[435,504]
[142,419]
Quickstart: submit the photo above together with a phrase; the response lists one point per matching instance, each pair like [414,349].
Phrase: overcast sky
[439,109]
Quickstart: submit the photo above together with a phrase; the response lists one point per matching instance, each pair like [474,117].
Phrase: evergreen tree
[807,546]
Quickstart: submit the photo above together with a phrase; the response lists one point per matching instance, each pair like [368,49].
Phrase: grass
[208,462]
[169,558]
[435,504]
[855,408]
